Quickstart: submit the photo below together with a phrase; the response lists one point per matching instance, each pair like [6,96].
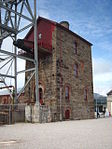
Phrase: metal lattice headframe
[15,17]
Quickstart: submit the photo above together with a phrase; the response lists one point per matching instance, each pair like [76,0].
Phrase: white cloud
[102,89]
[102,75]
[94,28]
[44,13]
[43,9]
[101,66]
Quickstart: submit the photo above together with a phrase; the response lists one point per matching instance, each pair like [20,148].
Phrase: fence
[10,114]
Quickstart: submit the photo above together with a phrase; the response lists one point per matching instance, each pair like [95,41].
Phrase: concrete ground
[81,134]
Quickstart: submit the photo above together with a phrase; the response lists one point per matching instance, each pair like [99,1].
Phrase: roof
[109,93]
[59,25]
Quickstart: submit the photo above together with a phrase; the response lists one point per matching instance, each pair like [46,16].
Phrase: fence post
[9,114]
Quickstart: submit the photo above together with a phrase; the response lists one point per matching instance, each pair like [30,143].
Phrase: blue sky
[92,19]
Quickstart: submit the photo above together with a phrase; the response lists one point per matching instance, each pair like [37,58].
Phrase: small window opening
[75,47]
[85,94]
[67,92]
[76,70]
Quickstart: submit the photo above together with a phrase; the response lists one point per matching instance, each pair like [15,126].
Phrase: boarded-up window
[76,70]
[75,47]
[85,94]
[82,66]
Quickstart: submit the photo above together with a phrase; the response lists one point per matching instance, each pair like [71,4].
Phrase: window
[85,94]
[75,47]
[82,66]
[67,90]
[76,70]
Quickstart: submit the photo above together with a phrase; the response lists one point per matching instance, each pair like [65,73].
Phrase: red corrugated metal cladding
[45,29]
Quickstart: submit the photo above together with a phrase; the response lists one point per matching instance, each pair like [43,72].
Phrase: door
[67,114]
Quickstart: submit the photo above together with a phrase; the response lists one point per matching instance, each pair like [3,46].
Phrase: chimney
[65,24]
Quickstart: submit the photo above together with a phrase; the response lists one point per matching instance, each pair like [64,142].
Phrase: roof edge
[110,92]
[59,25]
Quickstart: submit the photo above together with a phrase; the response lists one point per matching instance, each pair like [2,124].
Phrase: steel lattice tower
[12,17]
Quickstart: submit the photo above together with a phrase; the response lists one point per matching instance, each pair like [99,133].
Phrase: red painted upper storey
[44,29]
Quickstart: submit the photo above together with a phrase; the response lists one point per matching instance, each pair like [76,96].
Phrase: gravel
[80,134]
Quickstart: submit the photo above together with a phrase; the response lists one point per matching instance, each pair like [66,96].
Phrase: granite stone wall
[56,71]
[66,59]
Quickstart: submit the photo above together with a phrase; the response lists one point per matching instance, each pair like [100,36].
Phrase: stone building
[109,102]
[65,71]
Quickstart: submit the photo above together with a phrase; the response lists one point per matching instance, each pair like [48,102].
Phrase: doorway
[41,95]
[67,114]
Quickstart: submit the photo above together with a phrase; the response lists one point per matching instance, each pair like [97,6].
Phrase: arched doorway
[41,95]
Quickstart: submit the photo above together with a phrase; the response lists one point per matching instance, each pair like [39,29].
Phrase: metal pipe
[26,84]
[21,10]
[15,55]
[60,77]
[28,70]
[29,9]
[26,27]
[8,76]
[6,63]
[36,54]
[0,29]
[15,59]
[96,108]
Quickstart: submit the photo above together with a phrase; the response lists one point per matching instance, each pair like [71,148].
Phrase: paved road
[82,134]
